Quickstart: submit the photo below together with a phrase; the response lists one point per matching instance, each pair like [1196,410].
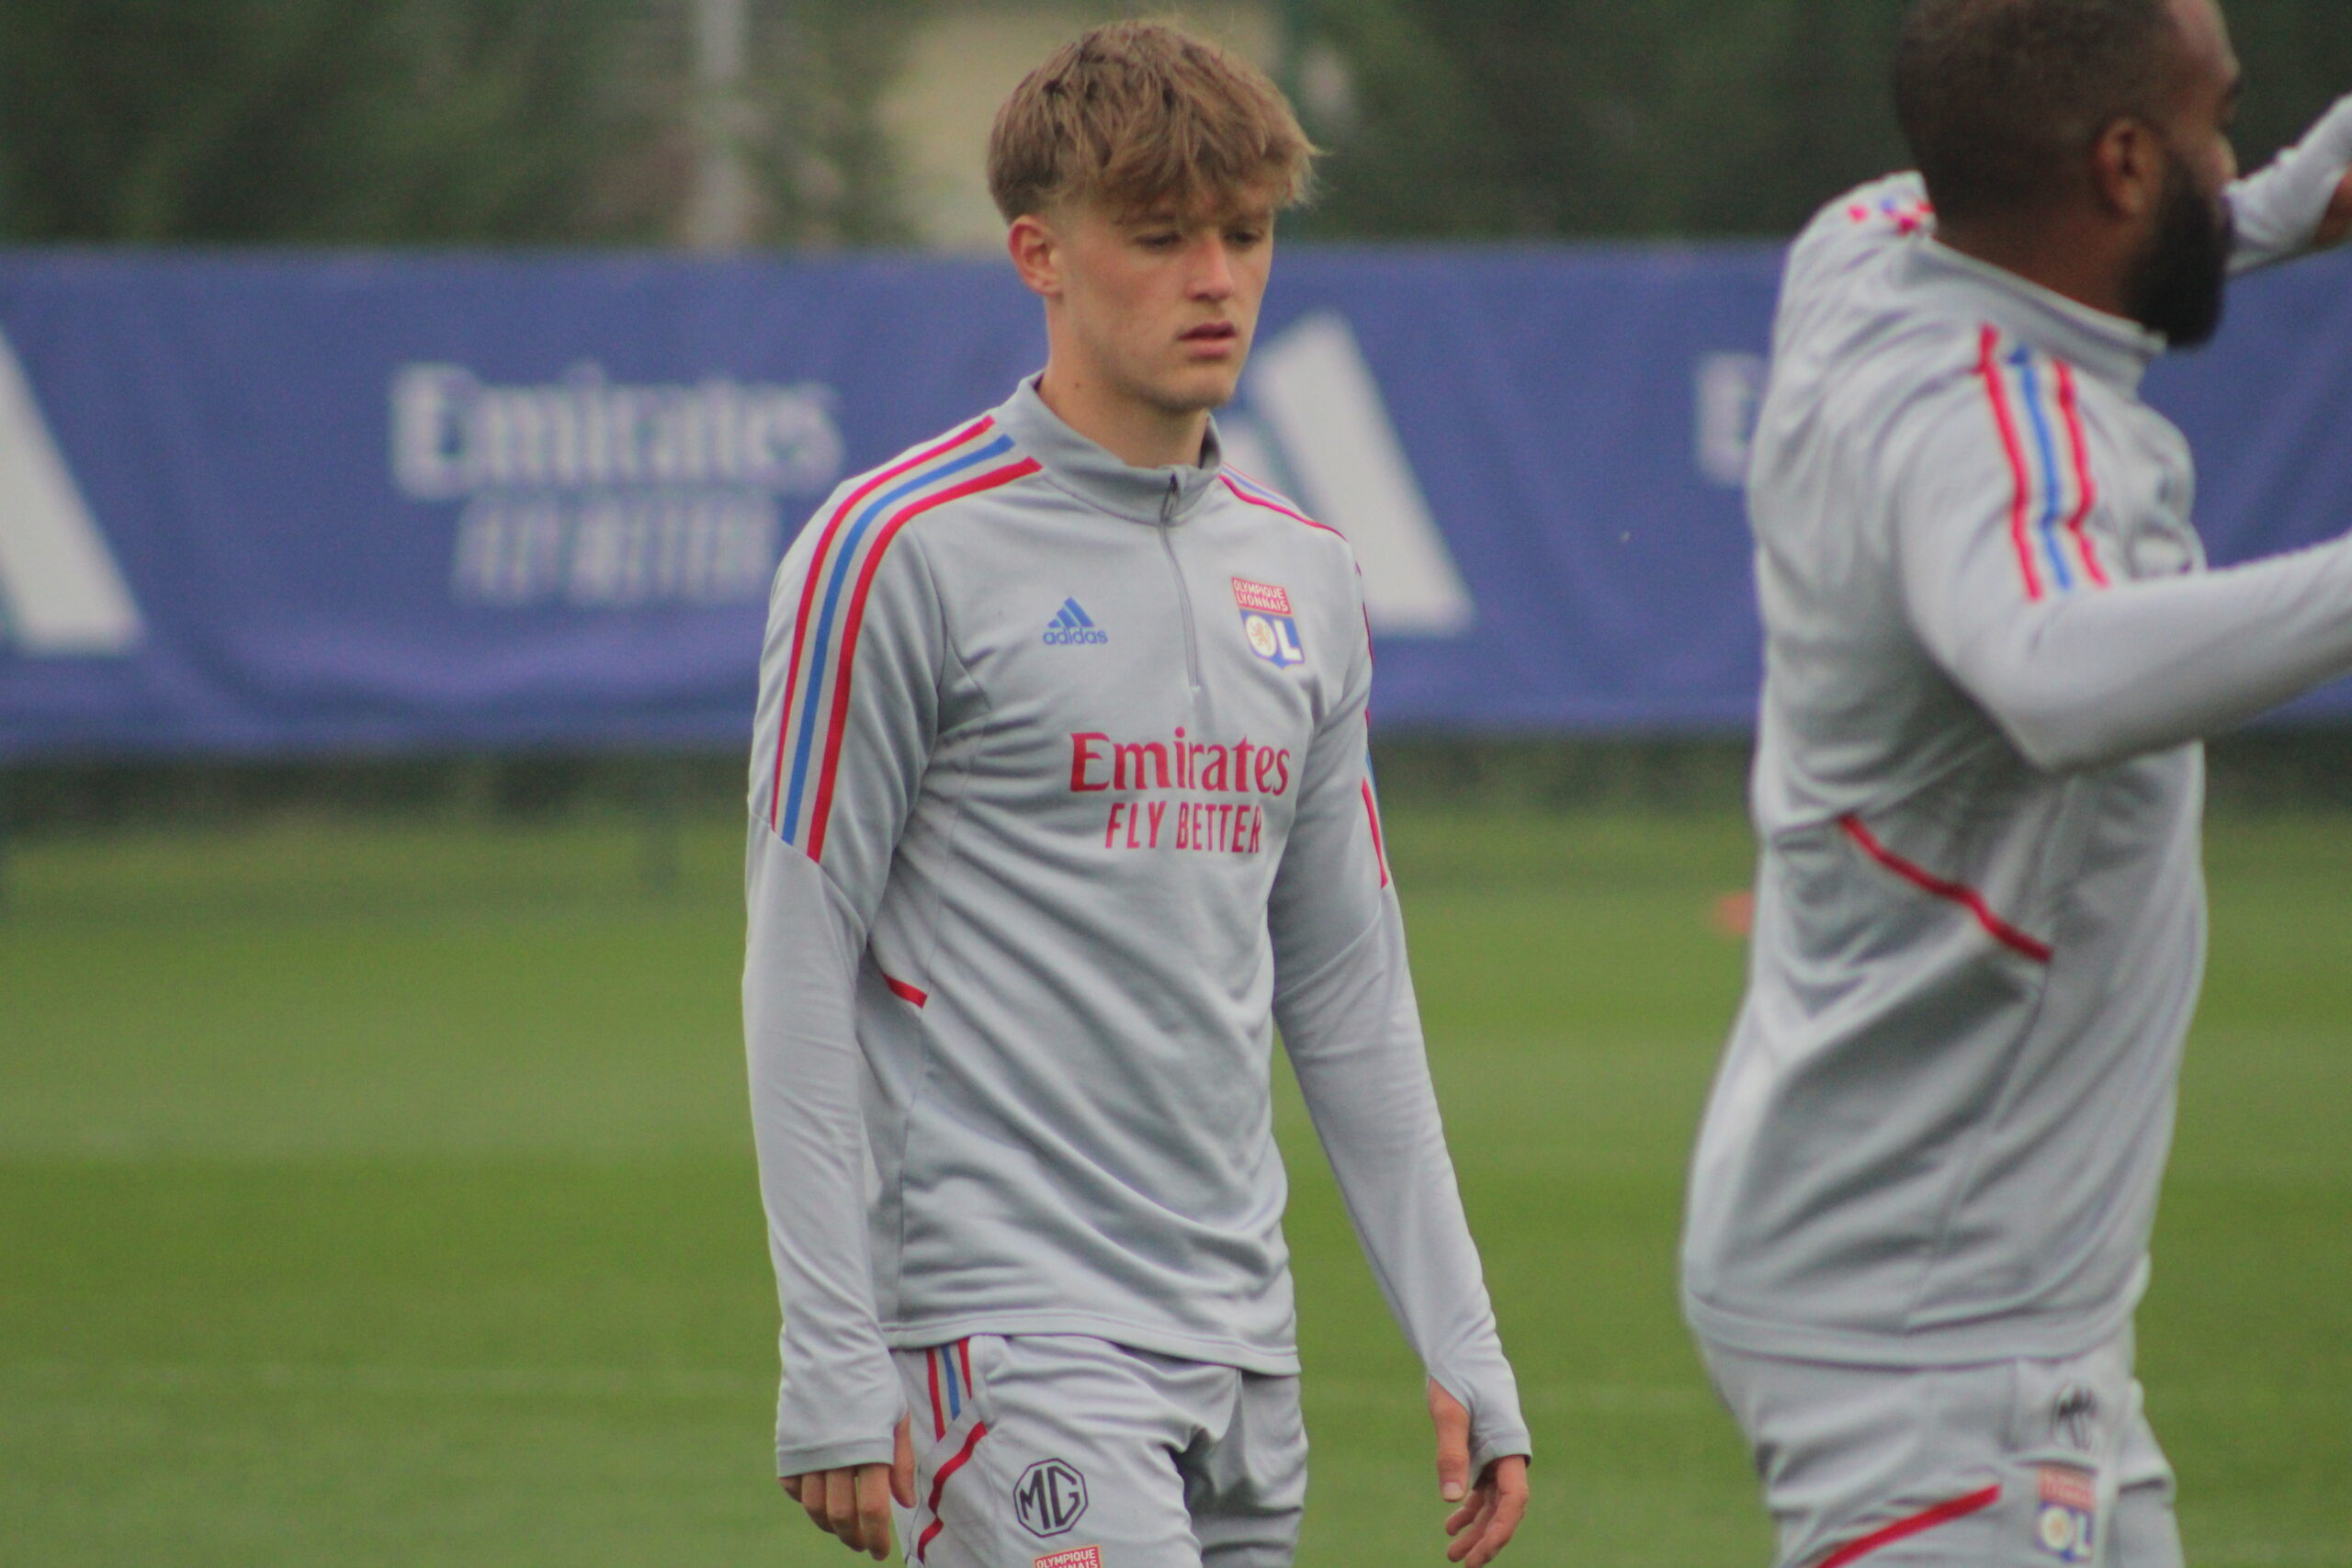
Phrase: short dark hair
[2000,98]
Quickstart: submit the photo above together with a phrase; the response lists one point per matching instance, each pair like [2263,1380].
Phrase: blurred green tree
[582,121]
[387,121]
[1501,118]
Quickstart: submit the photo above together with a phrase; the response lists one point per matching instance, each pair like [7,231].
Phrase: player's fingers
[1481,1508]
[1453,1424]
[874,1510]
[903,1465]
[1504,1488]
[840,1504]
[812,1501]
[1510,1507]
[1481,1498]
[791,1485]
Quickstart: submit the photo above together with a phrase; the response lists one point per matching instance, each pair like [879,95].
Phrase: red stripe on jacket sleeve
[2085,484]
[1999,929]
[821,813]
[808,596]
[2021,512]
[1261,500]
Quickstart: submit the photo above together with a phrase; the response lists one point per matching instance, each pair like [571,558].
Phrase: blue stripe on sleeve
[841,562]
[2053,491]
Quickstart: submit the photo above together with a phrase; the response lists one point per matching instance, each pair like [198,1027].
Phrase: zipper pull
[1167,502]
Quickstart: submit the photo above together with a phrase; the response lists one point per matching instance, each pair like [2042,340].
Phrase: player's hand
[853,1502]
[1490,1511]
[2337,227]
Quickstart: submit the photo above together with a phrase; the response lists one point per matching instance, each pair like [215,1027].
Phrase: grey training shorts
[1060,1452]
[2008,1464]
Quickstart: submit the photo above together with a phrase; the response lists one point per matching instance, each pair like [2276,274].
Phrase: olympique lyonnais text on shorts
[1061,1451]
[2024,1463]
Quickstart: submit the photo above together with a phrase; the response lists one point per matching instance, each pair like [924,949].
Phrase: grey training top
[1991,647]
[1059,804]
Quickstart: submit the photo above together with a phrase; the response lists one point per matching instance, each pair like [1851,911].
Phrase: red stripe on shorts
[939,1484]
[1902,1529]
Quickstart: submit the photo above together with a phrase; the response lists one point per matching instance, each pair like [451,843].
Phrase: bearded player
[1921,1201]
[1061,806]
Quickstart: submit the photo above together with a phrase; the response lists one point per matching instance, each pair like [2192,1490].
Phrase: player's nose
[1212,269]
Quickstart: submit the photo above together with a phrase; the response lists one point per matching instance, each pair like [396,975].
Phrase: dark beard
[2178,285]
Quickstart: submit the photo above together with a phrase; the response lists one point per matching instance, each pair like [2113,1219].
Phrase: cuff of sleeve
[810,1458]
[1503,1444]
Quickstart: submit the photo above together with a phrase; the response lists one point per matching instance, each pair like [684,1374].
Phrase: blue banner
[302,504]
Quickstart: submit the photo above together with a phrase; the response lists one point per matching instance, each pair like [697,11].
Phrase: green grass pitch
[381,1195]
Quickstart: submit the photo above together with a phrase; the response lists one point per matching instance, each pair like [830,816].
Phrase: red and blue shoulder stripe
[1255,494]
[2037,410]
[855,535]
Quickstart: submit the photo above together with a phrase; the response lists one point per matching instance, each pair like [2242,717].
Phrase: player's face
[1163,302]
[2179,280]
[2206,106]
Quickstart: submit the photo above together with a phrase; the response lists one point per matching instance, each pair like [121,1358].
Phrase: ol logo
[1268,623]
[2063,1527]
[1049,1499]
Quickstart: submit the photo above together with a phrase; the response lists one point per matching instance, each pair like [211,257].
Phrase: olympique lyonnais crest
[2069,1504]
[1267,622]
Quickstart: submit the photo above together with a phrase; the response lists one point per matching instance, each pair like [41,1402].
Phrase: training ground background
[380,1192]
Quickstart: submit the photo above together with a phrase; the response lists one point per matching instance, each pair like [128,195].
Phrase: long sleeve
[848,709]
[2278,210]
[2038,615]
[1344,1001]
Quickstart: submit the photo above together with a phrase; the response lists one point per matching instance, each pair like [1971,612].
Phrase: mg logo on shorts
[1049,1499]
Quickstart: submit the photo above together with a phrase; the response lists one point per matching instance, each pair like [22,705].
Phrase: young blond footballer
[1059,808]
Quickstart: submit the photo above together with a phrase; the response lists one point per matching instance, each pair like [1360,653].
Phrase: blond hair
[1134,114]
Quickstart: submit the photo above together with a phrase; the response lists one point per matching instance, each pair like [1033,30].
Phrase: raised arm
[848,709]
[1344,997]
[2303,201]
[2034,612]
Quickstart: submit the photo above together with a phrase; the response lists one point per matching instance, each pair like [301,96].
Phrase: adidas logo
[62,594]
[1073,628]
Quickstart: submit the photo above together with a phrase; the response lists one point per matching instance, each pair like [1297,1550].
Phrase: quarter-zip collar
[2113,349]
[1097,477]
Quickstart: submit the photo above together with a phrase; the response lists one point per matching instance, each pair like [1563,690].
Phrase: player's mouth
[1212,340]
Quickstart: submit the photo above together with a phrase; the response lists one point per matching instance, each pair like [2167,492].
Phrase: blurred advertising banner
[278,504]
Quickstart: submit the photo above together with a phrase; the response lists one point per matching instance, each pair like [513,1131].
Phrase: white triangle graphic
[60,592]
[1332,438]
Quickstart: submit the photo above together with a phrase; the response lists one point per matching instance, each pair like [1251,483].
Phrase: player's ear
[1036,250]
[2127,169]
